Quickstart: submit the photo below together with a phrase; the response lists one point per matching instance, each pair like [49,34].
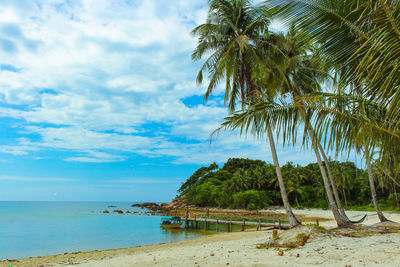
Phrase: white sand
[239,249]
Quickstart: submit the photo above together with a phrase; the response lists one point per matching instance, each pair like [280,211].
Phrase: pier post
[244,224]
[207,212]
[216,227]
[230,226]
[279,222]
[195,223]
[205,224]
[258,224]
[274,234]
[317,222]
[186,217]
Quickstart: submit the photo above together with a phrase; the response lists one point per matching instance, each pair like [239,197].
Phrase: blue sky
[98,101]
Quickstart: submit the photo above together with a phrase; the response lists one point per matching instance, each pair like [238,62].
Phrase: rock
[148,205]
[128,211]
[212,254]
[118,211]
[106,211]
[175,203]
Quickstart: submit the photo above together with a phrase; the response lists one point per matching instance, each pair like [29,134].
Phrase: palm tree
[231,34]
[301,75]
[382,218]
[295,183]
[361,41]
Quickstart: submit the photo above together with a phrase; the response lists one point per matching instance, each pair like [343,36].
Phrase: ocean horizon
[40,228]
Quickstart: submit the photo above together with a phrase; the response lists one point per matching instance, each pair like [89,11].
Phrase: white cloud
[103,79]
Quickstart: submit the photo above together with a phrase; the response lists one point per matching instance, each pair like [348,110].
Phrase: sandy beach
[240,249]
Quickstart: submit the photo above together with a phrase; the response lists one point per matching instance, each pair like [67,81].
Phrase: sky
[99,102]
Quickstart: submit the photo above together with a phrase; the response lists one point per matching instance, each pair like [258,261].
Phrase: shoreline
[161,252]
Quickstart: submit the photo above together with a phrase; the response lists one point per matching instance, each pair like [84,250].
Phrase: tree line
[253,185]
[330,81]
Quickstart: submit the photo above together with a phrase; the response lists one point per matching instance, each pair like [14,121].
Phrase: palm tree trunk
[345,199]
[382,218]
[330,175]
[328,167]
[332,180]
[292,219]
[340,219]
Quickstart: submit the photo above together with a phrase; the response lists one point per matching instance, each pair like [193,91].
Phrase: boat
[173,222]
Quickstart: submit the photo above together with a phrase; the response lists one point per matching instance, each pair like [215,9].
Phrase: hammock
[359,221]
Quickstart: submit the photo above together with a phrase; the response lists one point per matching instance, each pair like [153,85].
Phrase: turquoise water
[29,229]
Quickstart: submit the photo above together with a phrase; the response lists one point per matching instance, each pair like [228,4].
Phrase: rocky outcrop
[154,207]
[174,204]
[118,211]
[148,205]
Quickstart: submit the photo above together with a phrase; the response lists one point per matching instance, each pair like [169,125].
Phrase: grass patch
[302,238]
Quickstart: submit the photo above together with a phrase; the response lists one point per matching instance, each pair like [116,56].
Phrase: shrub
[252,206]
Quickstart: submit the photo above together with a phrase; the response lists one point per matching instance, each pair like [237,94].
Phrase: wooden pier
[193,222]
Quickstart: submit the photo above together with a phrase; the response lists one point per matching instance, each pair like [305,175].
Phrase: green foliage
[252,184]
[392,199]
[196,176]
[232,165]
[251,199]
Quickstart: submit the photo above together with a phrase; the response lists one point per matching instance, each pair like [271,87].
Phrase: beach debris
[212,254]
[227,263]
[280,252]
[297,255]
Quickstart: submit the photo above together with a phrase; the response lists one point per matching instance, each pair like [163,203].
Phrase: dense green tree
[239,189]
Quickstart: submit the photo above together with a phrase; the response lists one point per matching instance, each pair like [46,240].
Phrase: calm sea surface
[30,229]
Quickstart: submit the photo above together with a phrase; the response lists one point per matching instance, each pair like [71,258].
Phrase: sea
[30,229]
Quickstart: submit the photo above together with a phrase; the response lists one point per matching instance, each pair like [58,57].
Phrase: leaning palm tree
[361,41]
[230,36]
[347,129]
[302,74]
